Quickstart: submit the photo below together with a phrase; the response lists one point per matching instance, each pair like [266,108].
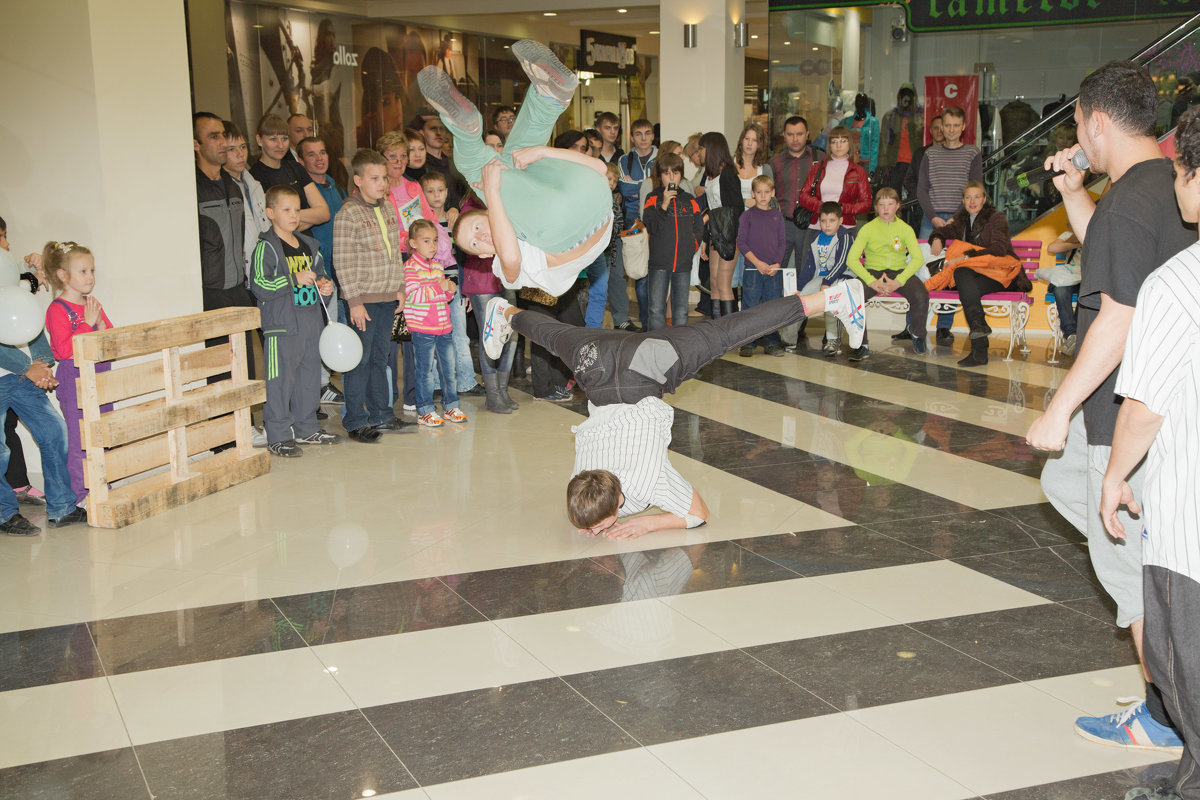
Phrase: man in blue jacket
[25,378]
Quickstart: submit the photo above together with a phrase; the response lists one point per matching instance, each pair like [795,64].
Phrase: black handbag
[400,331]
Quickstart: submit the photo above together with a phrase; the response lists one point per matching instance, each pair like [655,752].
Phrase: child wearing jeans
[826,261]
[760,240]
[676,228]
[70,270]
[427,292]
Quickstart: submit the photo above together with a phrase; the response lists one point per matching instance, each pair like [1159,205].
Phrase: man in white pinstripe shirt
[621,464]
[1160,381]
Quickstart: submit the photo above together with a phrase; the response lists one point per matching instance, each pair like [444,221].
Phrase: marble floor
[883,605]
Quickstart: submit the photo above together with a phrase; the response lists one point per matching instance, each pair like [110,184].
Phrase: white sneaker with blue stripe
[845,301]
[496,328]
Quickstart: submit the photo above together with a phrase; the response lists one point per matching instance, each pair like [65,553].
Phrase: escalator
[1024,205]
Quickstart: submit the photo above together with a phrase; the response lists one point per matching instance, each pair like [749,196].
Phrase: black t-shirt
[1135,229]
[299,258]
[288,173]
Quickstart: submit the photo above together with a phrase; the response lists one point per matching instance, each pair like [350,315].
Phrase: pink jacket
[425,300]
[409,201]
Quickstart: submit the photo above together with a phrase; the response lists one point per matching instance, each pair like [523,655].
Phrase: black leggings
[614,366]
[16,475]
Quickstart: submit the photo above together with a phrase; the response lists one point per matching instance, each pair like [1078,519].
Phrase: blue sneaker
[1133,727]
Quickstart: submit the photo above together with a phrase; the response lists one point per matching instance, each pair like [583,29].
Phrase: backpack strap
[71,315]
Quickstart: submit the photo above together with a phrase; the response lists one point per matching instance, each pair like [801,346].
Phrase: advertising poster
[953,90]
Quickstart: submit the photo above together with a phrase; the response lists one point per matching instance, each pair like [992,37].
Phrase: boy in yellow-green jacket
[893,258]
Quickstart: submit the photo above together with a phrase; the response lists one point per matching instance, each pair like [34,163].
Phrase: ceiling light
[622,10]
[816,48]
[754,36]
[549,13]
[787,43]
[653,33]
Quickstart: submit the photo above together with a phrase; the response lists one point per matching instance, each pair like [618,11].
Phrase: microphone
[1026,179]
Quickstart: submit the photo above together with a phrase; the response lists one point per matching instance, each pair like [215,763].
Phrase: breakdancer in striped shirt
[621,464]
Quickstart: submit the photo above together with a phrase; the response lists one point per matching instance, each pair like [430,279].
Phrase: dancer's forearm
[525,156]
[504,237]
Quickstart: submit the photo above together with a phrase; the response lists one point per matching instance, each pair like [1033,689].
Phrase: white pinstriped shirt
[631,441]
[1161,368]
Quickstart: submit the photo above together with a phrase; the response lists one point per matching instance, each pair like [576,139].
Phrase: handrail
[1067,110]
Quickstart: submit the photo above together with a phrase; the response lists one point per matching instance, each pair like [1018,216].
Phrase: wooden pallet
[165,431]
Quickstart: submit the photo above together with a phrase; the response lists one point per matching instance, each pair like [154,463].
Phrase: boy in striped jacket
[287,277]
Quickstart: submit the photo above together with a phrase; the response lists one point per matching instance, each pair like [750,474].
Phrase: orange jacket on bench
[1000,268]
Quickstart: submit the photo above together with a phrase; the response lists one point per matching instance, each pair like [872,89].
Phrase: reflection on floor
[882,601]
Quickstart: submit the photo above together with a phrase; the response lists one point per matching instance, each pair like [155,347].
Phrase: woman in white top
[751,158]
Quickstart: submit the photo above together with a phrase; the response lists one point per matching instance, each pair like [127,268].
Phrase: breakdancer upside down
[621,464]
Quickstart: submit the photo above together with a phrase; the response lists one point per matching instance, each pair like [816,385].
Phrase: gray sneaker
[288,449]
[1068,348]
[549,76]
[319,437]
[16,525]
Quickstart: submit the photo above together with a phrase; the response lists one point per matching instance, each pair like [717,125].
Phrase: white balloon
[21,317]
[340,347]
[10,271]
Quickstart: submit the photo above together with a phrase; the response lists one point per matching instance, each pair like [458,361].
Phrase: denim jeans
[428,348]
[464,370]
[758,288]
[618,291]
[50,432]
[661,282]
[1063,296]
[597,275]
[641,290]
[503,364]
[368,395]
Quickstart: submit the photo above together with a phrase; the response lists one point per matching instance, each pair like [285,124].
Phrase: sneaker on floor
[319,437]
[944,336]
[258,436]
[496,329]
[288,449]
[831,347]
[775,350]
[1068,348]
[547,74]
[408,408]
[859,353]
[454,415]
[629,325]
[475,391]
[845,300]
[919,345]
[16,525]
[430,420]
[443,95]
[396,425]
[31,495]
[78,515]
[331,395]
[902,336]
[366,434]
[559,395]
[1133,728]
[746,351]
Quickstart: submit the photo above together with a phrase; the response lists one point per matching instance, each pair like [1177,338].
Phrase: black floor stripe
[963,439]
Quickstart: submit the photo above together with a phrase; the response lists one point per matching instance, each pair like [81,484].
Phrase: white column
[851,51]
[701,88]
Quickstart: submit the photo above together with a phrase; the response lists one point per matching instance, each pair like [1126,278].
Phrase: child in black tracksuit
[675,228]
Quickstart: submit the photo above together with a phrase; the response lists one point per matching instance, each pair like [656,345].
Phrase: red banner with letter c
[953,90]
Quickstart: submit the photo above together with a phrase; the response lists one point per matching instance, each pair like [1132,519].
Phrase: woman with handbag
[725,207]
[981,261]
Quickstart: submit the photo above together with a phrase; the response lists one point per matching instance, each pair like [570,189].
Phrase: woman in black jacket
[725,207]
[978,223]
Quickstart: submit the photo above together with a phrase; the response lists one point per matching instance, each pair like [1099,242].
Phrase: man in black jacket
[222,223]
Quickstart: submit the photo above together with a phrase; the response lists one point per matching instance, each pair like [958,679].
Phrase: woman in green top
[893,258]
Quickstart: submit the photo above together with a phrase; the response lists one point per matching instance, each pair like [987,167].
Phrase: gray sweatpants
[1172,646]
[1072,482]
[293,379]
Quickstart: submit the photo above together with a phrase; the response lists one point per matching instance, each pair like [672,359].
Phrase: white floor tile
[389,669]
[773,612]
[829,756]
[1095,693]
[58,721]
[994,740]
[602,637]
[213,696]
[629,773]
[929,590]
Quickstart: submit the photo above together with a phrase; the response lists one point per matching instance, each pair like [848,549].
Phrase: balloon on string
[340,347]
[21,316]
[9,273]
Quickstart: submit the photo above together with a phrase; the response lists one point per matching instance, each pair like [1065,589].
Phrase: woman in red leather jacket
[840,178]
